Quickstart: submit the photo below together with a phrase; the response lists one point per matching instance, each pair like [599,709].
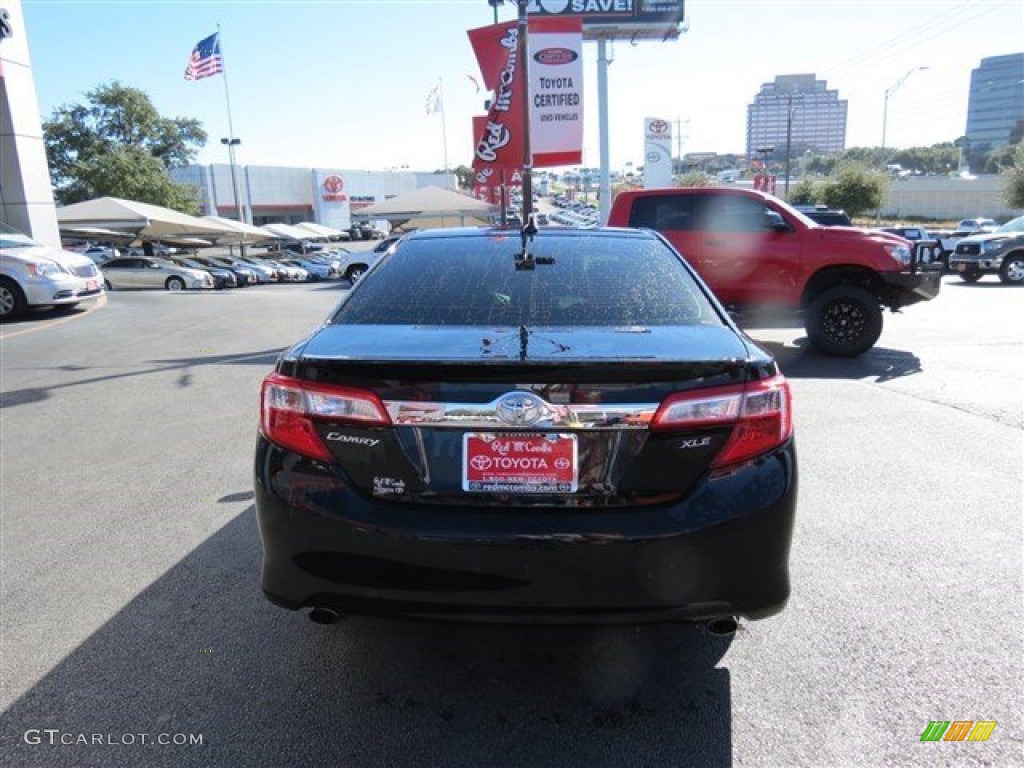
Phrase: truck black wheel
[844,321]
[970,276]
[1012,271]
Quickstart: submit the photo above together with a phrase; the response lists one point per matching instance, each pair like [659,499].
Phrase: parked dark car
[365,231]
[825,216]
[243,275]
[222,277]
[491,432]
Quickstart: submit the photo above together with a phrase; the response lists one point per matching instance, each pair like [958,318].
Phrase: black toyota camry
[560,426]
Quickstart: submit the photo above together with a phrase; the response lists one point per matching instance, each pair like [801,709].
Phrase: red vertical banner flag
[555,90]
[498,138]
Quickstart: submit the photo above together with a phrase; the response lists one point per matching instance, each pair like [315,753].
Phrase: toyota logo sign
[657,126]
[334,184]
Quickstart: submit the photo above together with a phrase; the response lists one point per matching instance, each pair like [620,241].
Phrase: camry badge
[520,409]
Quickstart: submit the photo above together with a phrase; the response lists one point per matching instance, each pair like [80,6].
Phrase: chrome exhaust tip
[723,626]
[324,616]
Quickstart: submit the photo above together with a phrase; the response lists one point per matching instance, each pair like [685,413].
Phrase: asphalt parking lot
[130,558]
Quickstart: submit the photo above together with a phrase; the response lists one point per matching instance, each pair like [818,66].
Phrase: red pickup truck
[763,258]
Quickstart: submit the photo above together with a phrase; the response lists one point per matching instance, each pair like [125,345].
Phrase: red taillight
[288,408]
[760,413]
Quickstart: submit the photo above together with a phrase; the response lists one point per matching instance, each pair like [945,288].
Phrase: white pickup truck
[937,245]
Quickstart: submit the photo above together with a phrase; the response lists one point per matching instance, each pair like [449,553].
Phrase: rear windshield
[589,281]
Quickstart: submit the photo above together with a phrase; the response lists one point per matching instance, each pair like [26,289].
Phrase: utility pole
[679,123]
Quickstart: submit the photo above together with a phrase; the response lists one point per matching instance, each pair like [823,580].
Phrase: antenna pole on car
[524,73]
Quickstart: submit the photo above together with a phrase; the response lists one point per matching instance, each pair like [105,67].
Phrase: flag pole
[444,130]
[231,143]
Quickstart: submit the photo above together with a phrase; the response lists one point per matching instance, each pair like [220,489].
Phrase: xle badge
[695,442]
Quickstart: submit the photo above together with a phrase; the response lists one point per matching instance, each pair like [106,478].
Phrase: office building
[813,115]
[995,107]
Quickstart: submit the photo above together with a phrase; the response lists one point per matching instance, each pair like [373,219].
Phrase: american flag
[206,59]
[434,100]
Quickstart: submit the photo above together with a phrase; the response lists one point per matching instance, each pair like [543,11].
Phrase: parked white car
[353,265]
[36,275]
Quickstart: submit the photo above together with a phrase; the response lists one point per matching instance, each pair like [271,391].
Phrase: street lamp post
[885,119]
[889,92]
[231,143]
[789,139]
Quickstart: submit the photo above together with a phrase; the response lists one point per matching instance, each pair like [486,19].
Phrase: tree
[855,188]
[804,192]
[1015,180]
[936,159]
[464,174]
[693,179]
[998,160]
[118,144]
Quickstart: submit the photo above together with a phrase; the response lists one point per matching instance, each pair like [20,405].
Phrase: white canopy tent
[240,232]
[321,230]
[441,207]
[286,232]
[144,221]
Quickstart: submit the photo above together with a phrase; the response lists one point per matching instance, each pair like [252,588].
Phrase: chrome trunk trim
[545,415]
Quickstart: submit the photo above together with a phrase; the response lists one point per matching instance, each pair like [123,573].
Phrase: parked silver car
[146,272]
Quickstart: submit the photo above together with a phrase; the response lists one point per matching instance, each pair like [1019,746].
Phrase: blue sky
[343,83]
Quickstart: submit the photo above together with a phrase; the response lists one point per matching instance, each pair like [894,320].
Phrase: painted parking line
[100,302]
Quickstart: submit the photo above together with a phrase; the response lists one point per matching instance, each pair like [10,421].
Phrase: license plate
[961,267]
[91,285]
[519,463]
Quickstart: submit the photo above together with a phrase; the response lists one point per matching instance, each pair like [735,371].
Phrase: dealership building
[328,196]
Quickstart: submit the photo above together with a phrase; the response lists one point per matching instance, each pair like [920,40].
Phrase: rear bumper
[723,550]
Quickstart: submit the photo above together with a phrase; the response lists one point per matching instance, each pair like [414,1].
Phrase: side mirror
[775,222]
